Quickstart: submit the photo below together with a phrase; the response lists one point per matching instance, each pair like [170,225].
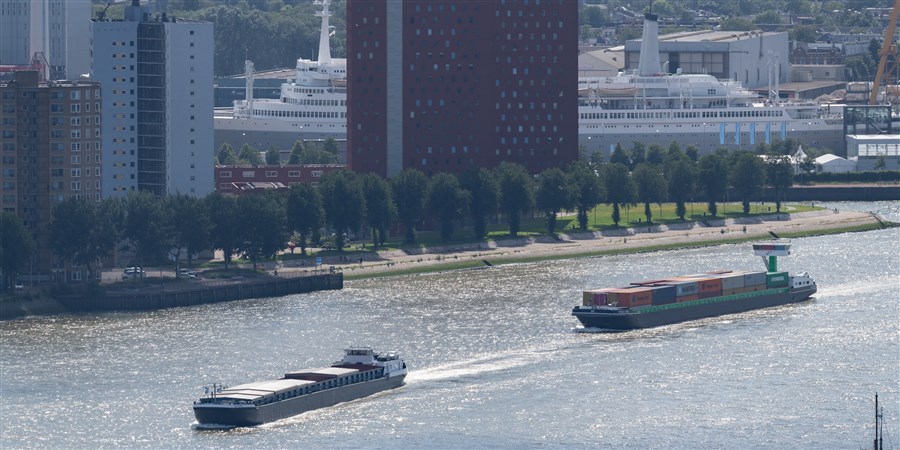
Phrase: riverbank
[544,248]
[623,240]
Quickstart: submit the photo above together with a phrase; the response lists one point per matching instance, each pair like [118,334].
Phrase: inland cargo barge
[653,303]
[360,373]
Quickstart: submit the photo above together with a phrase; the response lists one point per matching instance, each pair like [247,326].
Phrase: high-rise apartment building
[444,86]
[59,29]
[157,77]
[49,150]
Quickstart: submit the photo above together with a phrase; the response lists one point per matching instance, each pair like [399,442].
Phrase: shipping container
[641,296]
[648,282]
[683,288]
[754,278]
[735,281]
[776,280]
[719,272]
[710,285]
[594,297]
[663,295]
[686,298]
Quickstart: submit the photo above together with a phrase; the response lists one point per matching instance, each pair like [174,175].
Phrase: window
[249,174]
[271,174]
[294,174]
[225,174]
[316,173]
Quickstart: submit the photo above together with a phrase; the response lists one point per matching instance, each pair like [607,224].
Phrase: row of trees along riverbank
[257,226]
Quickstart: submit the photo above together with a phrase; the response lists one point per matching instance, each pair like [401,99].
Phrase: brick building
[243,179]
[50,145]
[445,86]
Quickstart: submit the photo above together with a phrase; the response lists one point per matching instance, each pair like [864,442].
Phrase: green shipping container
[776,280]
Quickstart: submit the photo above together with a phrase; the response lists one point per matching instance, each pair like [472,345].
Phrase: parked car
[186,273]
[133,272]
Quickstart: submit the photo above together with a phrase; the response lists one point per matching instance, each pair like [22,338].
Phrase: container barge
[653,303]
[360,373]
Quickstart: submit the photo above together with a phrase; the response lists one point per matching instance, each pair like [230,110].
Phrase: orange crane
[883,54]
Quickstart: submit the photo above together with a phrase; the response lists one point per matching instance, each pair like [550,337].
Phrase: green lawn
[600,218]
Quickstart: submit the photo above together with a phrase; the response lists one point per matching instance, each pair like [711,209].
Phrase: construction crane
[887,49]
[38,63]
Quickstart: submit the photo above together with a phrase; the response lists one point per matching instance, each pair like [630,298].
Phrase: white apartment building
[60,29]
[157,77]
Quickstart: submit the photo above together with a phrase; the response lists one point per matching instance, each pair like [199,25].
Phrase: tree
[380,209]
[312,155]
[692,152]
[409,197]
[748,174]
[249,155]
[16,247]
[681,175]
[147,227]
[272,157]
[304,212]
[445,199]
[345,206]
[638,153]
[713,179]
[768,17]
[804,33]
[516,193]
[736,24]
[620,189]
[330,146]
[261,225]
[190,227]
[589,191]
[226,155]
[554,193]
[656,154]
[651,187]
[223,216]
[82,232]
[779,175]
[620,156]
[484,194]
[296,152]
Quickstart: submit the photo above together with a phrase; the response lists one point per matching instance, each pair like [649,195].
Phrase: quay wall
[142,301]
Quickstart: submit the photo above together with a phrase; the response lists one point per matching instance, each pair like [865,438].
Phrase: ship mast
[324,45]
[878,444]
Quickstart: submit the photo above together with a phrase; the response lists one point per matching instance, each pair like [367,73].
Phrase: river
[496,361]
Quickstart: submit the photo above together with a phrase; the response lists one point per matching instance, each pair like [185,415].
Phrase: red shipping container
[629,298]
[710,287]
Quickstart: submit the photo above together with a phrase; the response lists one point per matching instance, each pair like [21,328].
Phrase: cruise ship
[653,107]
[312,106]
[644,105]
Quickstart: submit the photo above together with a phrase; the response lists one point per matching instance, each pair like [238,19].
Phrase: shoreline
[620,241]
[394,263]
